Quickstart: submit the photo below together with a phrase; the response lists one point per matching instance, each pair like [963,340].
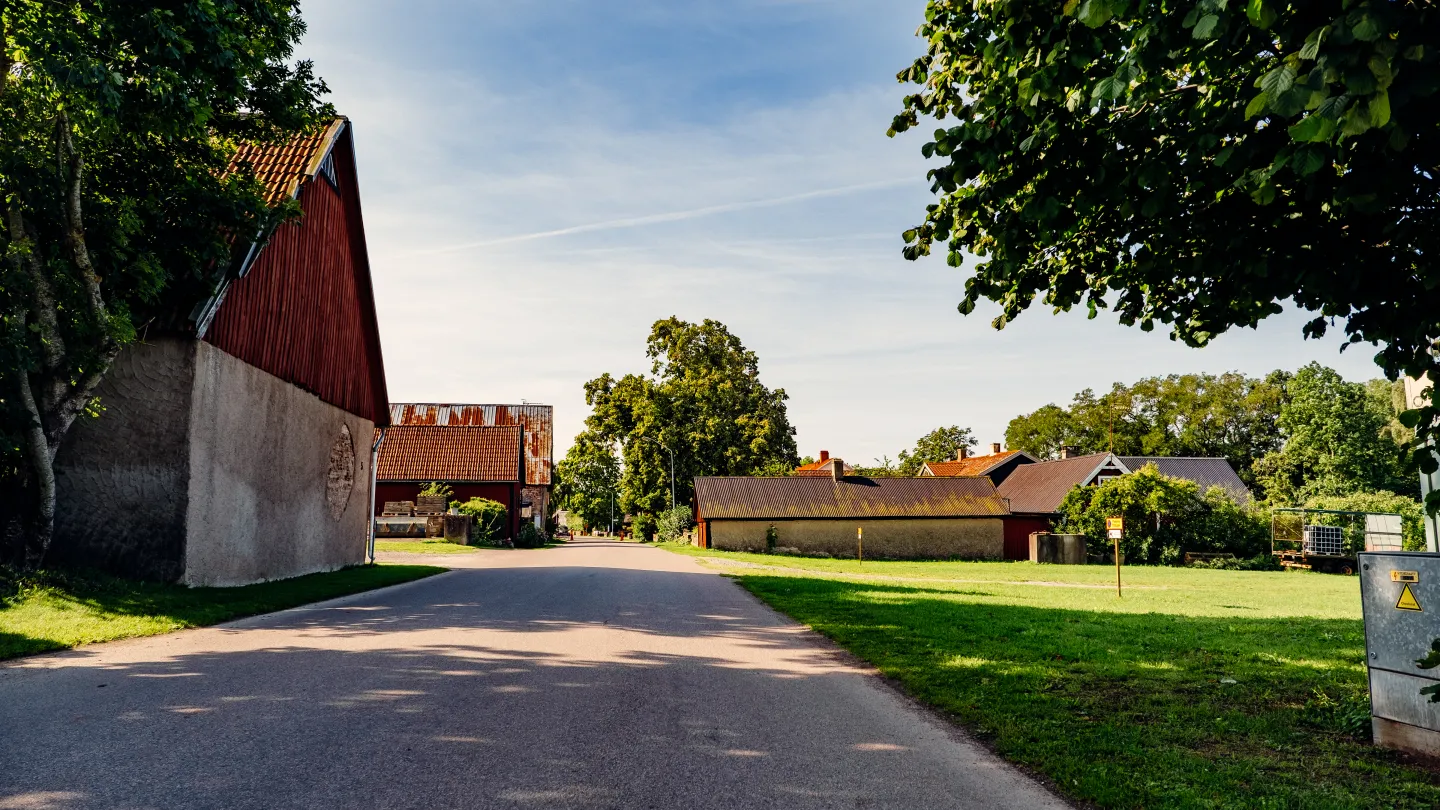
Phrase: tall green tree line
[117,122]
[1193,164]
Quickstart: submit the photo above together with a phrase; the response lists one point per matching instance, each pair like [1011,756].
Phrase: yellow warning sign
[1407,600]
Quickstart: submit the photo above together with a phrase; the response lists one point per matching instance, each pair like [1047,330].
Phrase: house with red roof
[475,461]
[235,446]
[996,466]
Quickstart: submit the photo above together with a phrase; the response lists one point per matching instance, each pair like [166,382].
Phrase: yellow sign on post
[1115,527]
[860,544]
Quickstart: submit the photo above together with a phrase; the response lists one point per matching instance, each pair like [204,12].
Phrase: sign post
[860,544]
[1115,528]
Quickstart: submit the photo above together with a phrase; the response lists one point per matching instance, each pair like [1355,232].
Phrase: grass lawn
[1197,689]
[423,547]
[56,610]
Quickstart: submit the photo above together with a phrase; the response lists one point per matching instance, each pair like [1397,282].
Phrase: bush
[528,536]
[490,519]
[644,527]
[673,523]
[437,488]
[1411,512]
[1164,518]
[1260,562]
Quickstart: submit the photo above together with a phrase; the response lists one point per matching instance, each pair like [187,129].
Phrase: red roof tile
[450,453]
[976,465]
[281,167]
[538,421]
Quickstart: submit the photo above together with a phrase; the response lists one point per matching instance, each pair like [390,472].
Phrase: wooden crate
[398,509]
[430,505]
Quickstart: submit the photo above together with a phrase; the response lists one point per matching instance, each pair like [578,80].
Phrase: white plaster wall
[975,538]
[260,456]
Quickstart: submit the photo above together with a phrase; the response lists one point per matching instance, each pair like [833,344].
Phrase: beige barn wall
[260,462]
[978,538]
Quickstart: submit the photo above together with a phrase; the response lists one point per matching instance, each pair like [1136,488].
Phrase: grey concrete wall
[268,491]
[976,538]
[122,478]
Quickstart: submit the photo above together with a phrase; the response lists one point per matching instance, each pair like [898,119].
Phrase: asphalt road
[597,675]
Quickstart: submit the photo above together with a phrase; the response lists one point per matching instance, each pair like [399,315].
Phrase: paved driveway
[597,675]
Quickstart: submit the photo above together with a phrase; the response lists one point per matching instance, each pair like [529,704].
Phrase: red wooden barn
[475,461]
[238,449]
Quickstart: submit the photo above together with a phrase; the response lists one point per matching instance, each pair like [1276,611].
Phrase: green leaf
[1278,80]
[1333,107]
[1224,155]
[1257,105]
[1095,13]
[1312,128]
[1312,42]
[1307,161]
[1028,142]
[1380,66]
[1069,8]
[1205,28]
[1109,89]
[1380,109]
[1260,13]
[1367,29]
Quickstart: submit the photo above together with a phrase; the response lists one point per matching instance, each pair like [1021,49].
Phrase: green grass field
[53,611]
[1197,689]
[423,547]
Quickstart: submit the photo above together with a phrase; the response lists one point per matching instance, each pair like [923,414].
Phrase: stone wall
[279,480]
[975,538]
[122,479]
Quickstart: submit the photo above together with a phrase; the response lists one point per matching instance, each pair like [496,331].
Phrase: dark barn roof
[1039,488]
[806,497]
[463,454]
[1207,472]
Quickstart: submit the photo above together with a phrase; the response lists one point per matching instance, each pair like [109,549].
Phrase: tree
[1191,163]
[1228,415]
[940,444]
[117,122]
[1335,442]
[587,481]
[703,401]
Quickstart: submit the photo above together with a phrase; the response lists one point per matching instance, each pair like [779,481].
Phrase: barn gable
[302,307]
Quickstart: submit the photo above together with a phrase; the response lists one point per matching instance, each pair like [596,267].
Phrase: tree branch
[42,301]
[75,229]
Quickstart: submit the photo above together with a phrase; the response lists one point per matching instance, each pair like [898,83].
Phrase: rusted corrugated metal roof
[799,497]
[976,465]
[282,167]
[537,420]
[436,453]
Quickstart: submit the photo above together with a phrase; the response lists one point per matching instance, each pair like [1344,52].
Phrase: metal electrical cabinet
[1400,593]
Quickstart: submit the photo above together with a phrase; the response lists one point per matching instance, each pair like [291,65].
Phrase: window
[327,170]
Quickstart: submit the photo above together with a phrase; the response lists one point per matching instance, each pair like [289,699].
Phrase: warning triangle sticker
[1407,600]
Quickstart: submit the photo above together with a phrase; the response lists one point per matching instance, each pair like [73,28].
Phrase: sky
[543,180]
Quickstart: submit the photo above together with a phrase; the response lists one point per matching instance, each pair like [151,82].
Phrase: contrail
[674,216]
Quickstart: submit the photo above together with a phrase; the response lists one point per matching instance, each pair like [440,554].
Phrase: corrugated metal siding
[537,420]
[305,312]
[796,497]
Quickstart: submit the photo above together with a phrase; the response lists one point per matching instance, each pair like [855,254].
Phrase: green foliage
[1227,415]
[490,521]
[1164,518]
[672,524]
[1260,562]
[528,536]
[1410,510]
[1431,661]
[437,488]
[643,527]
[587,481]
[1336,442]
[883,468]
[117,123]
[940,444]
[1191,164]
[703,401]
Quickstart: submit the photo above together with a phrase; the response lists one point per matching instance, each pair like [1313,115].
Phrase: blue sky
[543,180]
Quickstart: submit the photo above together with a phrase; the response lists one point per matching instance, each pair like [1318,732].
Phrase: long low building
[901,518]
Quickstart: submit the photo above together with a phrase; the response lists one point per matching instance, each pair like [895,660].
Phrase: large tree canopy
[1190,163]
[117,122]
[702,401]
